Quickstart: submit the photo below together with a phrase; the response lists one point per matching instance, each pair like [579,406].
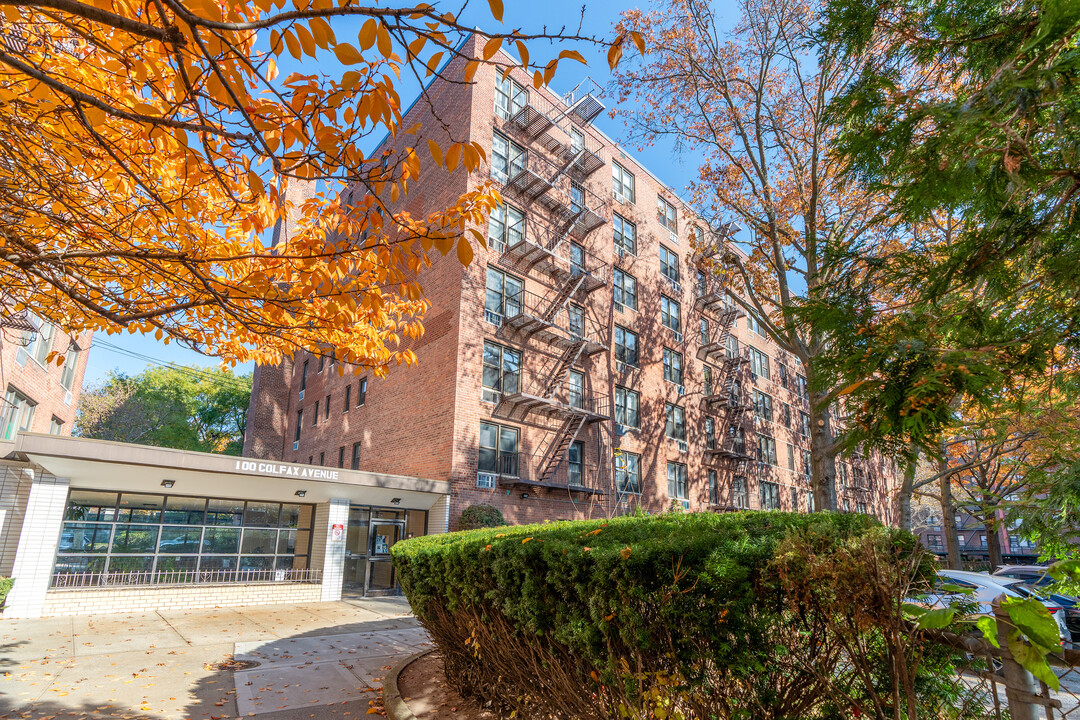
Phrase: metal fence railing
[157,578]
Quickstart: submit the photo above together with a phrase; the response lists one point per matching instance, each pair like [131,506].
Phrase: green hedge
[675,601]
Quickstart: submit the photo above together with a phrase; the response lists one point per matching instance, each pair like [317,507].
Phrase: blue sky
[131,353]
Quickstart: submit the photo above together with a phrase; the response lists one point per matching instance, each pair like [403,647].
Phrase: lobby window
[622,184]
[759,363]
[348,398]
[503,296]
[507,158]
[670,314]
[625,289]
[673,370]
[627,403]
[669,265]
[766,449]
[510,97]
[502,371]
[626,346]
[498,449]
[356,455]
[361,392]
[625,234]
[627,472]
[674,422]
[18,413]
[770,495]
[676,480]
[136,538]
[56,426]
[762,406]
[665,213]
[506,226]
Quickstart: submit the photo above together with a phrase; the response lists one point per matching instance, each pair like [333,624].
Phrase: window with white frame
[759,363]
[622,183]
[626,346]
[71,363]
[673,367]
[762,406]
[627,472]
[498,450]
[703,325]
[670,314]
[507,158]
[625,234]
[18,413]
[625,289]
[510,97]
[575,382]
[669,264]
[506,226]
[804,424]
[676,480]
[503,297]
[575,315]
[56,426]
[502,371]
[675,422]
[755,324]
[665,213]
[627,404]
[36,344]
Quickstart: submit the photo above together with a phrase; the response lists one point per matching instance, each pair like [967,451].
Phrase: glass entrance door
[357,542]
[384,533]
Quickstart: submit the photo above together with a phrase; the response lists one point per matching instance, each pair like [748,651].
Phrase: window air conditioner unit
[673,237]
[68,397]
[621,367]
[681,389]
[619,308]
[678,336]
[486,480]
[753,376]
[301,395]
[620,253]
[620,429]
[683,447]
[296,445]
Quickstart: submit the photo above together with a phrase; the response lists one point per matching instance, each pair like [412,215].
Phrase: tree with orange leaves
[146,150]
[752,101]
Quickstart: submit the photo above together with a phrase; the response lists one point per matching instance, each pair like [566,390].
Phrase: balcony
[543,249]
[545,123]
[560,403]
[711,300]
[524,469]
[584,101]
[528,314]
[575,210]
[727,448]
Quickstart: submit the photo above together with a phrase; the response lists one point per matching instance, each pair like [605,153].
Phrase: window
[315,415]
[731,347]
[626,346]
[322,363]
[326,412]
[575,463]
[762,406]
[510,97]
[577,259]
[625,234]
[299,425]
[322,458]
[714,490]
[577,141]
[755,324]
[56,426]
[625,289]
[703,326]
[665,213]
[576,389]
[348,398]
[193,538]
[341,456]
[506,226]
[627,403]
[669,264]
[575,314]
[507,158]
[787,415]
[807,465]
[18,413]
[622,183]
[804,424]
[675,422]
[783,374]
[770,495]
[759,363]
[710,433]
[740,495]
[361,392]
[673,366]
[676,480]
[670,314]
[934,542]
[498,449]
[702,284]
[766,449]
[356,455]
[842,475]
[503,296]
[627,472]
[800,387]
[791,457]
[502,371]
[982,541]
[794,500]
[71,362]
[303,376]
[707,382]
[577,197]
[36,344]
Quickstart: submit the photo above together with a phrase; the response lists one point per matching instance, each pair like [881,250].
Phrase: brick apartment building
[582,365]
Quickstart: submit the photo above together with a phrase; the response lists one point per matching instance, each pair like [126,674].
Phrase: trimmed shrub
[480,516]
[672,615]
[5,588]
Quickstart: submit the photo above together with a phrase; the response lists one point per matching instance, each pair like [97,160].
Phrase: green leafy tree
[188,408]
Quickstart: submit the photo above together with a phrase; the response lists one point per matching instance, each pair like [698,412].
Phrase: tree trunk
[903,495]
[822,457]
[993,545]
[948,519]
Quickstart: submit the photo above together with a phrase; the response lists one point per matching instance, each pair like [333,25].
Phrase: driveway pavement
[278,662]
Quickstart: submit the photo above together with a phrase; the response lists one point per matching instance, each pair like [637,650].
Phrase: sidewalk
[318,660]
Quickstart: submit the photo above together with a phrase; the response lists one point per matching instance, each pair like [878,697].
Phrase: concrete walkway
[317,660]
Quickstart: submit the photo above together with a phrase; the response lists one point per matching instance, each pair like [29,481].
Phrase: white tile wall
[37,546]
[438,519]
[333,556]
[14,493]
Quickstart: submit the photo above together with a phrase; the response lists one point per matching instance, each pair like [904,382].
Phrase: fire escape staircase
[548,321]
[716,352]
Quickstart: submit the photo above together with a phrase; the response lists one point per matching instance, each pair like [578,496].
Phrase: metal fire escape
[727,397]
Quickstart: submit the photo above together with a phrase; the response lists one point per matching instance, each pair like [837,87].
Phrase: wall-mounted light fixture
[524,496]
[301,493]
[395,501]
[167,483]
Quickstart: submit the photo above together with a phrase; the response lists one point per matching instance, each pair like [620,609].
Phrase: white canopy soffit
[98,464]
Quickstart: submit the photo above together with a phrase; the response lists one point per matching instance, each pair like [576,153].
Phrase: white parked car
[985,587]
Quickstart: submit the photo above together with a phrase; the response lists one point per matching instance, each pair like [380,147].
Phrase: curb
[395,707]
